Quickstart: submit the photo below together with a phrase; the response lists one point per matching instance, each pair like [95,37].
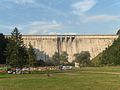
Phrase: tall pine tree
[16,53]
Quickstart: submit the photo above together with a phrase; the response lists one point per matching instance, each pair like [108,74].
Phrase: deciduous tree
[63,58]
[82,58]
[31,56]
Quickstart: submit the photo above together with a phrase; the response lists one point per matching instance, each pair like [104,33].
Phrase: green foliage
[59,59]
[118,32]
[23,57]
[16,36]
[55,59]
[82,58]
[31,56]
[111,56]
[96,61]
[16,53]
[63,58]
[42,63]
[3,43]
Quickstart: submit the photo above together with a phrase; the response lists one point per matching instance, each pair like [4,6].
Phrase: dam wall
[47,45]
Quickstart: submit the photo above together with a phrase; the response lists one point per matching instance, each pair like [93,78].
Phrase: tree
[59,59]
[41,63]
[16,53]
[55,59]
[82,58]
[64,58]
[31,56]
[3,43]
[118,32]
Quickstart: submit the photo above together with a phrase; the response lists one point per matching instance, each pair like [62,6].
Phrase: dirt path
[115,73]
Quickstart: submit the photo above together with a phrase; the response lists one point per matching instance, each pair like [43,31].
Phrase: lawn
[90,78]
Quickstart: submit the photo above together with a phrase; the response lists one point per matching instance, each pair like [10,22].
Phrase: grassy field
[89,78]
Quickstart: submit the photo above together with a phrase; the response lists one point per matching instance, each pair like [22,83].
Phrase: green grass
[89,78]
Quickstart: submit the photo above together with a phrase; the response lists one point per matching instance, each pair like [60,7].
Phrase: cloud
[67,33]
[42,27]
[8,4]
[83,6]
[35,27]
[21,2]
[101,18]
[32,3]
[7,28]
[54,33]
[47,7]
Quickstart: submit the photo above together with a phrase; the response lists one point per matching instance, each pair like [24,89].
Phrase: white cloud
[42,27]
[8,28]
[54,33]
[83,6]
[69,33]
[11,27]
[32,3]
[21,2]
[36,27]
[101,18]
[55,10]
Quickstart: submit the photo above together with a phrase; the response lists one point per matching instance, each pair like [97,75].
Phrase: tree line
[14,53]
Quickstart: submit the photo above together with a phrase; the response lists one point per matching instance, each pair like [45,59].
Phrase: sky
[48,17]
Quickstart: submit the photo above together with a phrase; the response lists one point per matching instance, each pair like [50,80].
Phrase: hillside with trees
[110,56]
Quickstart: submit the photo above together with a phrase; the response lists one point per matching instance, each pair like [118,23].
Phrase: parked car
[67,67]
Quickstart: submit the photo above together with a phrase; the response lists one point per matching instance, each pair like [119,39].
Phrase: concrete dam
[46,45]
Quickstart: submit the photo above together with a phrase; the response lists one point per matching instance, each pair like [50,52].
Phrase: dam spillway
[47,45]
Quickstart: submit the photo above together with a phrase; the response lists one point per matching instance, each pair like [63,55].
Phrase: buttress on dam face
[46,45]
